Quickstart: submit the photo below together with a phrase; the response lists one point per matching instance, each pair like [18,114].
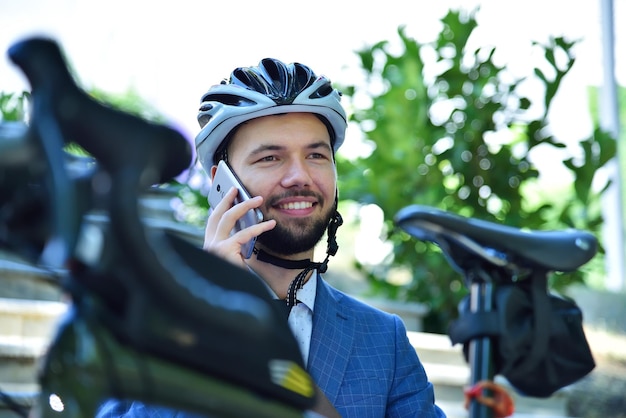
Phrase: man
[278,126]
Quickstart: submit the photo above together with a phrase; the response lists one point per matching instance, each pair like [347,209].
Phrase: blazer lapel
[331,340]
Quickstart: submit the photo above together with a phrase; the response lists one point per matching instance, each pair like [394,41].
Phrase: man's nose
[296,175]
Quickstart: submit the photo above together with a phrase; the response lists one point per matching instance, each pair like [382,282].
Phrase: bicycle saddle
[462,239]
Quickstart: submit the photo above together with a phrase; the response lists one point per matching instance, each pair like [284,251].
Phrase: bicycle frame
[153,318]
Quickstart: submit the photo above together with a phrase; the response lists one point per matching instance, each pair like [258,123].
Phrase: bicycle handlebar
[133,154]
[155,292]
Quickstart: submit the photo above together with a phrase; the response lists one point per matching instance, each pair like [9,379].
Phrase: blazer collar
[331,339]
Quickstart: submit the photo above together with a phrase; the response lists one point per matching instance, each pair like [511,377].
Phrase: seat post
[480,349]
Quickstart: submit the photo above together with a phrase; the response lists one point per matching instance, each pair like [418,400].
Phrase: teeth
[296,205]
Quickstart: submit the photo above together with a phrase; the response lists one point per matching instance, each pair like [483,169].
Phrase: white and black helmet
[271,88]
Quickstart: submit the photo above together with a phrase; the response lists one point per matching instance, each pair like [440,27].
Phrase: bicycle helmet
[270,88]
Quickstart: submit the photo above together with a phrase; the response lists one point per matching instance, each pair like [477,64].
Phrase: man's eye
[268,158]
[317,155]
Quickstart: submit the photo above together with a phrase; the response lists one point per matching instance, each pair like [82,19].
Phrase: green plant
[461,139]
[13,106]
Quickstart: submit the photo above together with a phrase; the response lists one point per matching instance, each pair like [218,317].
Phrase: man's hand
[217,238]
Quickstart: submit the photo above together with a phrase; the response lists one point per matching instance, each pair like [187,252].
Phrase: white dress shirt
[301,316]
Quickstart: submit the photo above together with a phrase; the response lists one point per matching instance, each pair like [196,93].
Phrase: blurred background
[170,54]
[167,55]
[511,112]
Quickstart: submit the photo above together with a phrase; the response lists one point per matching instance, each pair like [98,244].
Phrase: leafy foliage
[13,106]
[454,132]
[449,128]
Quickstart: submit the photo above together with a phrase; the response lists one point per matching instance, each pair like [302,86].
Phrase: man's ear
[213,170]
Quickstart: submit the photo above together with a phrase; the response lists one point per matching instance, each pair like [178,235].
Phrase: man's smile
[295,205]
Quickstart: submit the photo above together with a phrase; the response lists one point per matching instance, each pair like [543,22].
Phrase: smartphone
[223,180]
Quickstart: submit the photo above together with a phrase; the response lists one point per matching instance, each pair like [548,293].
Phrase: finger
[230,248]
[232,245]
[253,231]
[219,238]
[228,220]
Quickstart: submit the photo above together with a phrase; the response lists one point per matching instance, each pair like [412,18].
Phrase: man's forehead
[282,131]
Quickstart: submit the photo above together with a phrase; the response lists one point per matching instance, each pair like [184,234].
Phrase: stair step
[24,395]
[21,390]
[447,375]
[449,382]
[22,347]
[21,280]
[436,349]
[19,376]
[411,313]
[29,318]
[19,361]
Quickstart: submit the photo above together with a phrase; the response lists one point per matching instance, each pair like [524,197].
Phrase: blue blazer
[363,361]
[360,357]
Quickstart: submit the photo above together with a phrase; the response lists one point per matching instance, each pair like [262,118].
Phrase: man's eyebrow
[266,147]
[271,147]
[320,144]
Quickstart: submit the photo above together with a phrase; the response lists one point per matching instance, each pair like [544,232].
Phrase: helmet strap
[264,256]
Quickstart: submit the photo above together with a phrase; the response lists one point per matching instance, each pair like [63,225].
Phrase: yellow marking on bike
[292,377]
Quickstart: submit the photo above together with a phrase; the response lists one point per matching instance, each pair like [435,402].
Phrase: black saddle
[462,239]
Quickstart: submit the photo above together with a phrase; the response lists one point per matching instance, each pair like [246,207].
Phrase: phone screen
[223,180]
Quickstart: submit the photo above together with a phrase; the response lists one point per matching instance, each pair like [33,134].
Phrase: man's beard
[299,236]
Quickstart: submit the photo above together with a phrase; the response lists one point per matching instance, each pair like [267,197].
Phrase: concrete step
[30,305]
[23,397]
[25,318]
[436,348]
[25,281]
[26,327]
[20,355]
[449,373]
[19,358]
[449,396]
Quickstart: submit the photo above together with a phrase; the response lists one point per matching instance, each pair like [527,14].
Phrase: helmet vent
[230,100]
[279,81]
[325,90]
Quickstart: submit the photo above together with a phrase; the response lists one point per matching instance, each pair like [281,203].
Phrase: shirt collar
[305,295]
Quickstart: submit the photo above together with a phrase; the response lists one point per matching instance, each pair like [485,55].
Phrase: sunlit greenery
[13,106]
[461,139]
[447,127]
